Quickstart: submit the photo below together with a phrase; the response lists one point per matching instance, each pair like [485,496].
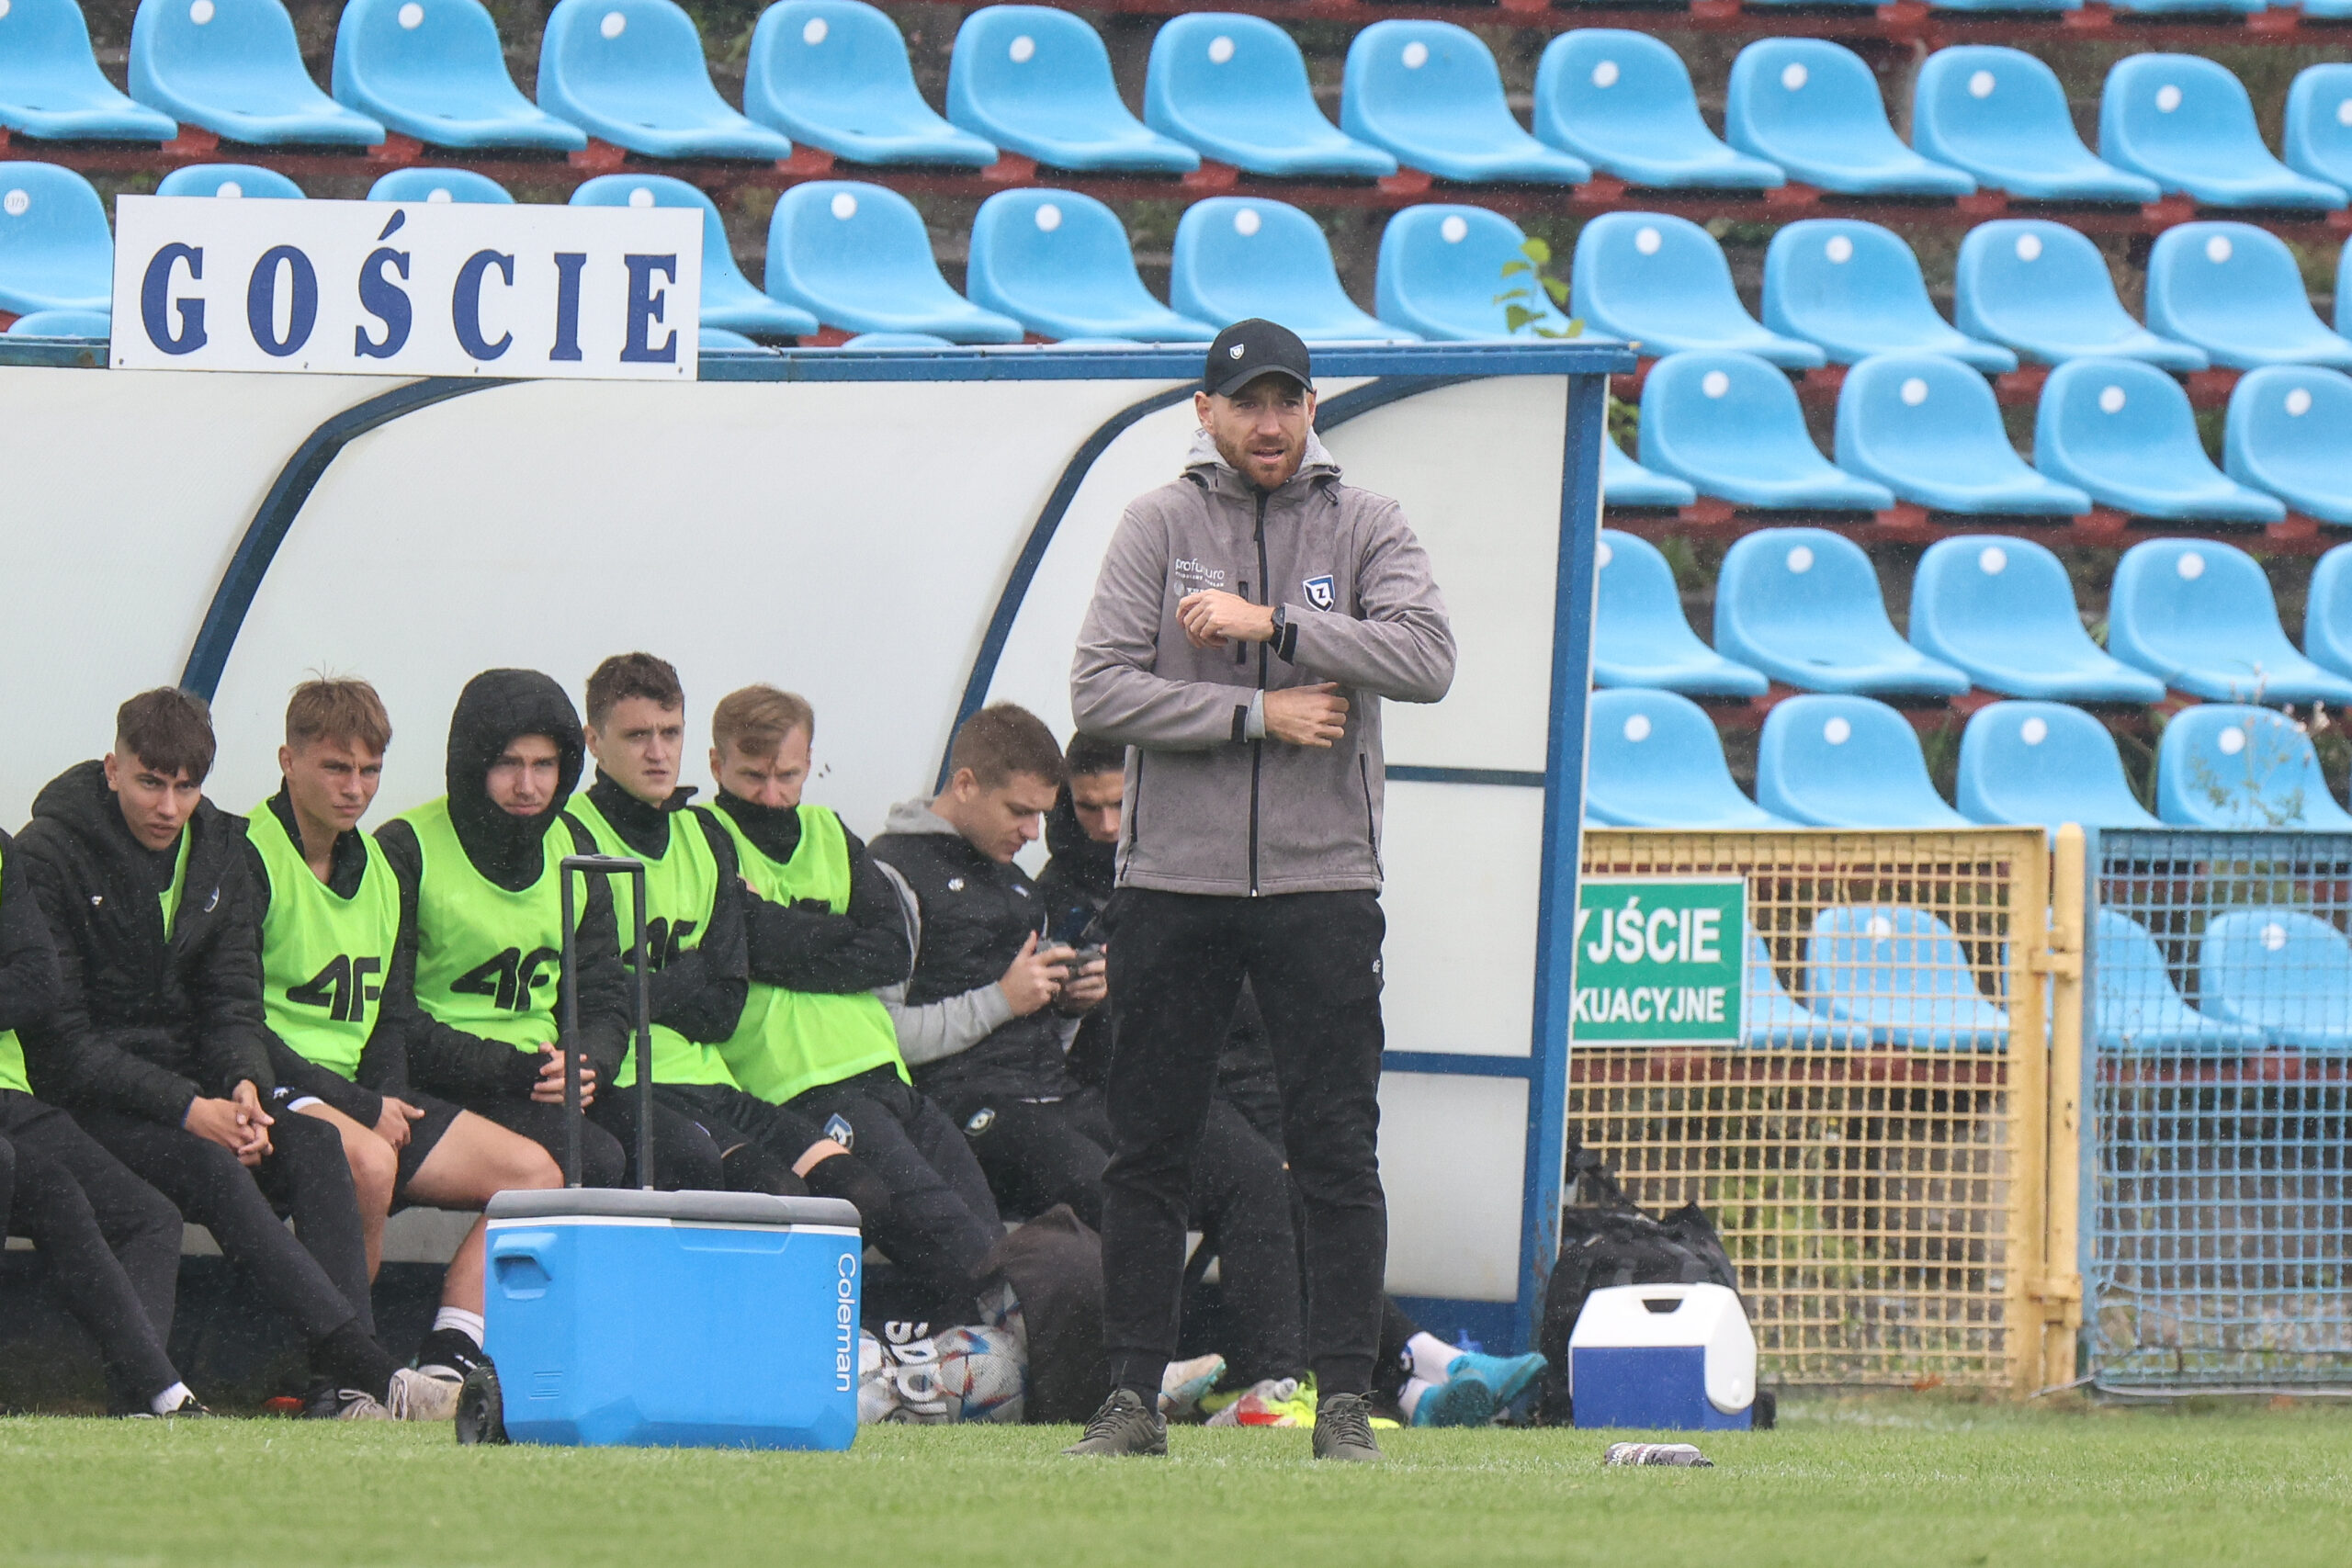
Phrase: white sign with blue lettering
[409,287]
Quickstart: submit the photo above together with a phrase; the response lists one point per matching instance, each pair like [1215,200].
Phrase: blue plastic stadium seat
[2235,291]
[1803,606]
[2039,764]
[2123,432]
[1814,108]
[2001,115]
[1662,282]
[434,70]
[729,300]
[1235,88]
[1928,428]
[2289,429]
[51,87]
[1038,82]
[2138,1010]
[1060,263]
[64,323]
[440,185]
[2045,290]
[2002,610]
[233,67]
[1655,762]
[230,181]
[2198,614]
[2283,971]
[1441,269]
[632,72]
[1622,102]
[2327,611]
[2223,765]
[856,256]
[1772,1020]
[1429,92]
[709,338]
[1640,637]
[2319,123]
[1729,424]
[1843,761]
[56,252]
[1624,482]
[2187,123]
[897,340]
[1856,289]
[1903,975]
[834,75]
[1236,257]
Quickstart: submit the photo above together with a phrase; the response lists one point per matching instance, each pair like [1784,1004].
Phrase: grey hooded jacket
[1208,808]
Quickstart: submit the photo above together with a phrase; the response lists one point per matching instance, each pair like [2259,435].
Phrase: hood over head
[496,706]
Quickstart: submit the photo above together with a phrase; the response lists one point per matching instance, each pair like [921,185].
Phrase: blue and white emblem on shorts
[837,1128]
[1321,592]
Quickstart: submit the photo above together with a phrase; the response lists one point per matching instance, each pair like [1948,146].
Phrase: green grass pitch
[1906,1480]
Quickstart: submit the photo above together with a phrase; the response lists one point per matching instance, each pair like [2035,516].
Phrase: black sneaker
[450,1354]
[1343,1428]
[187,1409]
[1124,1424]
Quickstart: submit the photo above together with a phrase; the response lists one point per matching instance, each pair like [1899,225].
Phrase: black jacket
[143,1023]
[698,992]
[29,974]
[805,946]
[496,706]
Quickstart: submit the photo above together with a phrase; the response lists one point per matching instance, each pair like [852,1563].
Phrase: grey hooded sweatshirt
[1210,809]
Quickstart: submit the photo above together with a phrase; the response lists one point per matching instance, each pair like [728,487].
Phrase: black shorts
[424,1132]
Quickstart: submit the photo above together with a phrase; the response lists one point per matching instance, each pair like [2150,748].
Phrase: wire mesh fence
[1872,1150]
[2220,1078]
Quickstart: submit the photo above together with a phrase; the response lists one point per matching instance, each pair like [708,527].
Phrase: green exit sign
[1659,959]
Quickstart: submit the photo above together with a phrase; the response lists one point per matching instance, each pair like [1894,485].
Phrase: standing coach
[1248,619]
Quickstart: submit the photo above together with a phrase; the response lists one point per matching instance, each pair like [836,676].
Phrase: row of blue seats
[1871,975]
[2266,976]
[1802,606]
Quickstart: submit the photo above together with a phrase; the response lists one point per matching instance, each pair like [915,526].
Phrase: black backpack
[1608,1241]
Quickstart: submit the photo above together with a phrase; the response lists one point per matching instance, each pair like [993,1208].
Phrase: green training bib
[487,960]
[12,1054]
[324,957]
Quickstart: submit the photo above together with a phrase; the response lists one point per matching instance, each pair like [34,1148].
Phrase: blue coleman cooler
[668,1319]
[1677,1356]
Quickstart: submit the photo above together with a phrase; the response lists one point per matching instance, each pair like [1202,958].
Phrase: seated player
[474,982]
[158,1046]
[330,914]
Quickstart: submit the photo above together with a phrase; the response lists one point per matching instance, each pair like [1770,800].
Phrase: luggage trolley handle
[606,865]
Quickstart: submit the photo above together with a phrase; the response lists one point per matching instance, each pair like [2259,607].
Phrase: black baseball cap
[1247,350]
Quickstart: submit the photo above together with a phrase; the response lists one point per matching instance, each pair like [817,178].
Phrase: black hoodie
[496,706]
[144,1022]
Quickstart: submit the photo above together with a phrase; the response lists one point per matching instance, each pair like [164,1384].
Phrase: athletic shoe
[1343,1429]
[1123,1427]
[1268,1402]
[1457,1402]
[416,1397]
[448,1354]
[1182,1385]
[1506,1377]
[187,1407]
[345,1404]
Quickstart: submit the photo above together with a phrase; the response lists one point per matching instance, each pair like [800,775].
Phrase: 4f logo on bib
[1321,592]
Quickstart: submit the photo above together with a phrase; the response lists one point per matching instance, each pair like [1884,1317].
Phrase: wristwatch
[1285,635]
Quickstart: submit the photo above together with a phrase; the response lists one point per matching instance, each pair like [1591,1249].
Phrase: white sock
[466,1323]
[169,1400]
[1431,1356]
[1410,1399]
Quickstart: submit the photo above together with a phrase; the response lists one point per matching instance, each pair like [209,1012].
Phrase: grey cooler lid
[705,1208]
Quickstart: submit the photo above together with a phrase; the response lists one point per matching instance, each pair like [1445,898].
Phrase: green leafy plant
[1523,303]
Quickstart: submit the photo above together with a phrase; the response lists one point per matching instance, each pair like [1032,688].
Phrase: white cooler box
[1673,1357]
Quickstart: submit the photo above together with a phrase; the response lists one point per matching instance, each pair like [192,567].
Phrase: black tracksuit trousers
[1177,961]
[943,1222]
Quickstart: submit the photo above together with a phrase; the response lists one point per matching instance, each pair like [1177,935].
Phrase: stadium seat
[834,75]
[56,252]
[1803,606]
[1622,102]
[2237,292]
[2137,1010]
[2039,764]
[1640,637]
[1038,82]
[2285,972]
[2327,611]
[1428,93]
[234,68]
[729,300]
[1655,762]
[707,338]
[2002,610]
[2290,428]
[1928,428]
[2045,290]
[1729,424]
[1441,269]
[2318,144]
[632,72]
[2123,431]
[1237,257]
[1814,108]
[897,340]
[856,256]
[2223,765]
[51,87]
[230,181]
[89,324]
[2198,614]
[1772,1020]
[1060,263]
[1662,282]
[2187,123]
[2001,115]
[434,70]
[1235,88]
[1903,975]
[440,185]
[1856,289]
[1624,482]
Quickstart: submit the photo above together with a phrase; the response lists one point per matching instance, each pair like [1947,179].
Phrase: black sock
[354,1360]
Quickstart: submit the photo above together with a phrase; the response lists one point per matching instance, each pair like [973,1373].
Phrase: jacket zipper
[1258,747]
[1371,833]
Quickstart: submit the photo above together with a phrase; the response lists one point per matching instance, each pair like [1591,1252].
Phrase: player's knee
[374,1170]
[523,1166]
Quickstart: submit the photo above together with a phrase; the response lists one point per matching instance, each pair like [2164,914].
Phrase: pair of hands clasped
[1038,976]
[1298,715]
